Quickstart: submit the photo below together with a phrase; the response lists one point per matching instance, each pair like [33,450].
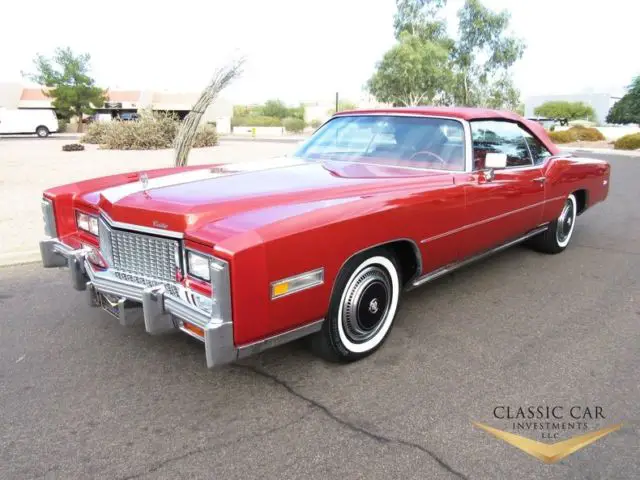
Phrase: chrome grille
[171,288]
[140,258]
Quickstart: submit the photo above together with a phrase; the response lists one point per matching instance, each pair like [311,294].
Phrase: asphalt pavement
[82,397]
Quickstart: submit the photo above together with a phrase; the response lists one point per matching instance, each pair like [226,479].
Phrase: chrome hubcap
[366,305]
[565,222]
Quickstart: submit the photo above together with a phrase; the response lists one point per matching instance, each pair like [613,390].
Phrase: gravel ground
[30,165]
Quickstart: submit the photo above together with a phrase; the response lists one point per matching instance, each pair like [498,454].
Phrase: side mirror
[495,160]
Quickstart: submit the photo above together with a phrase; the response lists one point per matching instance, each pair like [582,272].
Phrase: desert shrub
[256,121]
[292,124]
[63,123]
[628,142]
[151,131]
[315,123]
[206,136]
[563,136]
[586,133]
[95,133]
[72,147]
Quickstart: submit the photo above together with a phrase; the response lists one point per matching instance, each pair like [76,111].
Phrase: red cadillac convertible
[246,256]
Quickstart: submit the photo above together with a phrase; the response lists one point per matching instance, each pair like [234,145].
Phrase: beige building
[322,110]
[16,95]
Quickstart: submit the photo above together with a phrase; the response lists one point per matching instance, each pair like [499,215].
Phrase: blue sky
[301,50]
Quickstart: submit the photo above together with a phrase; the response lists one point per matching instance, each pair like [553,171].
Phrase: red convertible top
[467,113]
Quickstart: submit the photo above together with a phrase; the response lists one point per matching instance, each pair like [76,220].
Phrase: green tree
[296,112]
[275,108]
[413,72]
[72,90]
[420,18]
[627,109]
[476,67]
[482,57]
[564,109]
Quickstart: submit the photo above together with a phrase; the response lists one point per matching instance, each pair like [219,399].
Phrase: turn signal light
[193,329]
[297,283]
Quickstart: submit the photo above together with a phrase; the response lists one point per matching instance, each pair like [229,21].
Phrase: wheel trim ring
[393,306]
[355,293]
[566,222]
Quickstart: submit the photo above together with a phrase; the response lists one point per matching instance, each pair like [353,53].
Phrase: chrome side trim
[280,339]
[487,220]
[142,229]
[456,265]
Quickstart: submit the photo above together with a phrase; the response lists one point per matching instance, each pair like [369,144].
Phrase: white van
[41,122]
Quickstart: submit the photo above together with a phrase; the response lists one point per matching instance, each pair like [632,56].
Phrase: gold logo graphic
[549,452]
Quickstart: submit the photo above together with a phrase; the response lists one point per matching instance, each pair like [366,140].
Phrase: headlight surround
[87,223]
[198,266]
[48,218]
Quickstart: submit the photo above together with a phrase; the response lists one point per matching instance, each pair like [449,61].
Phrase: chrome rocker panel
[161,312]
[431,276]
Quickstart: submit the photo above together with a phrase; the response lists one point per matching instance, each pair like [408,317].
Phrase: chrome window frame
[468,157]
[511,122]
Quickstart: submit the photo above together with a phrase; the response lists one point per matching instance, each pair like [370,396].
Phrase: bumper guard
[161,312]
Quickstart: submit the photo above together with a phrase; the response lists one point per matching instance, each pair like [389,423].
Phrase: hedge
[628,142]
[295,125]
[586,133]
[152,131]
[563,136]
[256,121]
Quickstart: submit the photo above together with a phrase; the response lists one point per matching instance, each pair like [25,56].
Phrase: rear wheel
[42,131]
[560,231]
[362,309]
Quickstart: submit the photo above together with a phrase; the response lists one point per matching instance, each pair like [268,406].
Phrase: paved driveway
[85,398]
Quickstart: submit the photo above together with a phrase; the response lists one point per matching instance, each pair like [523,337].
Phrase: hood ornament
[144,180]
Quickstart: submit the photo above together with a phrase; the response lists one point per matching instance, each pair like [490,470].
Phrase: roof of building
[33,94]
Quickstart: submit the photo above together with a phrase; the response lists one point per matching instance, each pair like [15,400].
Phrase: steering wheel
[426,152]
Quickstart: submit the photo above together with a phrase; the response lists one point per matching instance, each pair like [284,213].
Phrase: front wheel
[363,307]
[560,231]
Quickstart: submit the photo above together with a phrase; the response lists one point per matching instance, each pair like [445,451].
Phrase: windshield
[422,142]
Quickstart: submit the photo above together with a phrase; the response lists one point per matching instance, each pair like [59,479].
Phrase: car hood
[187,200]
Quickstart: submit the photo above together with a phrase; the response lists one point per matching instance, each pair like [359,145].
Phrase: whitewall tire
[364,304]
[557,237]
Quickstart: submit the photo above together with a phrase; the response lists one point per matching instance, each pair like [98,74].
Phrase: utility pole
[336,102]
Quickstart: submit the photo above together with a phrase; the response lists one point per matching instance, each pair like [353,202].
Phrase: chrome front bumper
[161,312]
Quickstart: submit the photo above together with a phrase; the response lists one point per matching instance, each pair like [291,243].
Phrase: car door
[501,204]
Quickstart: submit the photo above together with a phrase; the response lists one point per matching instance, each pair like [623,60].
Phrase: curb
[19,258]
[602,151]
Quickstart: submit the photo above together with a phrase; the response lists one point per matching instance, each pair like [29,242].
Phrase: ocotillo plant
[222,78]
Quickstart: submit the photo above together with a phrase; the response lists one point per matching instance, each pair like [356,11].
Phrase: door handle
[540,179]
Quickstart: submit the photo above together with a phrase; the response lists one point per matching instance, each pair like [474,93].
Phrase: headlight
[198,266]
[88,223]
